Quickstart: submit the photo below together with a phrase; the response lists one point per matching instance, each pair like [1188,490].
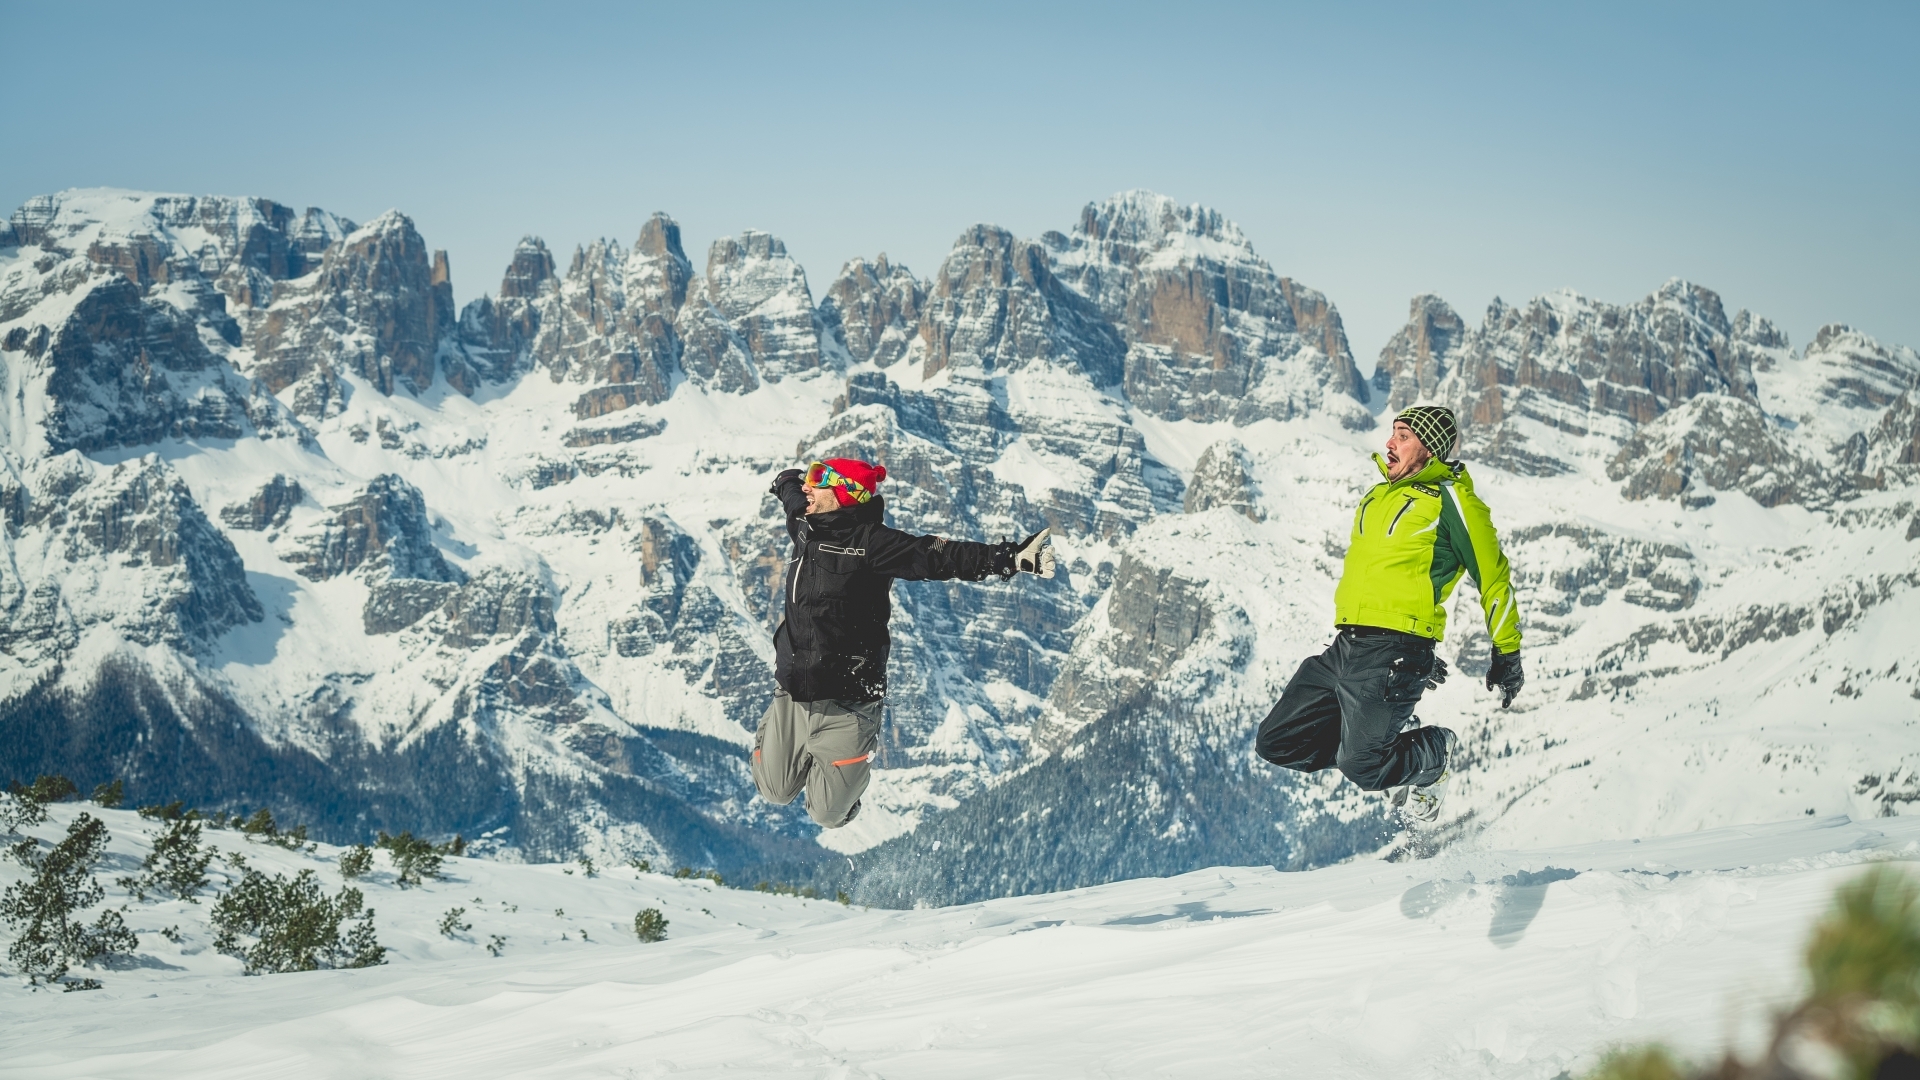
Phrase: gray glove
[1035,554]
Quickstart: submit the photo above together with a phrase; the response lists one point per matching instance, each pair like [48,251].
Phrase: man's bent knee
[1368,773]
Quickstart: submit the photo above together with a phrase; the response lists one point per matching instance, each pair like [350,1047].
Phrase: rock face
[1570,364]
[269,508]
[383,530]
[127,371]
[124,547]
[1213,332]
[378,307]
[874,310]
[1714,443]
[996,306]
[637,322]
[1224,477]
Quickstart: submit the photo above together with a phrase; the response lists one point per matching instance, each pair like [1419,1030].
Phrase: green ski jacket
[1411,541]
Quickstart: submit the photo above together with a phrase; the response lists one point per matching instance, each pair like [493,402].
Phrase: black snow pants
[1344,709]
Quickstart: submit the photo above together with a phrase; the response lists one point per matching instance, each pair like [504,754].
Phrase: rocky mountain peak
[1144,223]
[995,305]
[658,270]
[529,271]
[1213,331]
[1419,355]
[1584,367]
[1756,331]
[874,310]
[751,316]
[374,308]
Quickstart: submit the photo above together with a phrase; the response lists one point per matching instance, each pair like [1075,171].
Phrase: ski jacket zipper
[1404,507]
[793,594]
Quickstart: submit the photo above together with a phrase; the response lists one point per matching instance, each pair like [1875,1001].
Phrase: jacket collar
[1432,472]
[870,512]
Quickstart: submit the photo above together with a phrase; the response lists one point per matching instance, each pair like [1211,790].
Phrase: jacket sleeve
[1467,525]
[903,555]
[793,500]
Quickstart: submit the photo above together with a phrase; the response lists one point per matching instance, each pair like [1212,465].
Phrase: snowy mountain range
[283,527]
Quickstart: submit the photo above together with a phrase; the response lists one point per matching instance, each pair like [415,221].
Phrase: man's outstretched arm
[934,558]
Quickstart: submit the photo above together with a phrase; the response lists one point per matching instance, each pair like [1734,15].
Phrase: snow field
[1477,963]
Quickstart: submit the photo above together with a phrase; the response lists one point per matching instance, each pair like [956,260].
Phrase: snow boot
[1423,803]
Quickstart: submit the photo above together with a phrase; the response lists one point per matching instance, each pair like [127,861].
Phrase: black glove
[1506,674]
[790,474]
[1436,674]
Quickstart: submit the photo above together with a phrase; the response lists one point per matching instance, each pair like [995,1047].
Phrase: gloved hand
[1506,674]
[1035,554]
[780,480]
[1438,673]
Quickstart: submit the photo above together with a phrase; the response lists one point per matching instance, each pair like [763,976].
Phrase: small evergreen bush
[109,796]
[43,911]
[650,925]
[170,812]
[414,860]
[261,826]
[279,924]
[25,806]
[177,863]
[587,867]
[356,861]
[450,923]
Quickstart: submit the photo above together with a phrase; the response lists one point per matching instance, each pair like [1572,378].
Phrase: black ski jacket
[833,643]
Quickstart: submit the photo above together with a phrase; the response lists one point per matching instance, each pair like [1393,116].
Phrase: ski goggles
[821,474]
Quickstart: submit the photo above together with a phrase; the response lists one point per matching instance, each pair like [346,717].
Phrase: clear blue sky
[1771,152]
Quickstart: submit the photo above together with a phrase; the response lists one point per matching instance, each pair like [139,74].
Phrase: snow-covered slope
[1478,963]
[284,529]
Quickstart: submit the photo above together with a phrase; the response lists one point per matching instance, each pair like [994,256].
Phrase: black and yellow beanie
[1434,426]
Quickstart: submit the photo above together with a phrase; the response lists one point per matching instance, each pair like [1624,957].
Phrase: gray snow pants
[823,746]
[1345,707]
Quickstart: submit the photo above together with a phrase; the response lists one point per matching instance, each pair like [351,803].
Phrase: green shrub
[170,812]
[1863,998]
[43,910]
[650,925]
[414,860]
[1644,1063]
[280,924]
[50,789]
[261,826]
[25,806]
[108,796]
[450,923]
[640,866]
[587,867]
[356,861]
[177,863]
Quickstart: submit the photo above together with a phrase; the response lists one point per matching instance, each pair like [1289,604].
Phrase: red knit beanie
[860,472]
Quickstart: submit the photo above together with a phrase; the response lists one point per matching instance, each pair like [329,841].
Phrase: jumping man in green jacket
[1413,537]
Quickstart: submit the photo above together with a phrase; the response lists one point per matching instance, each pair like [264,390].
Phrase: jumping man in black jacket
[830,653]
